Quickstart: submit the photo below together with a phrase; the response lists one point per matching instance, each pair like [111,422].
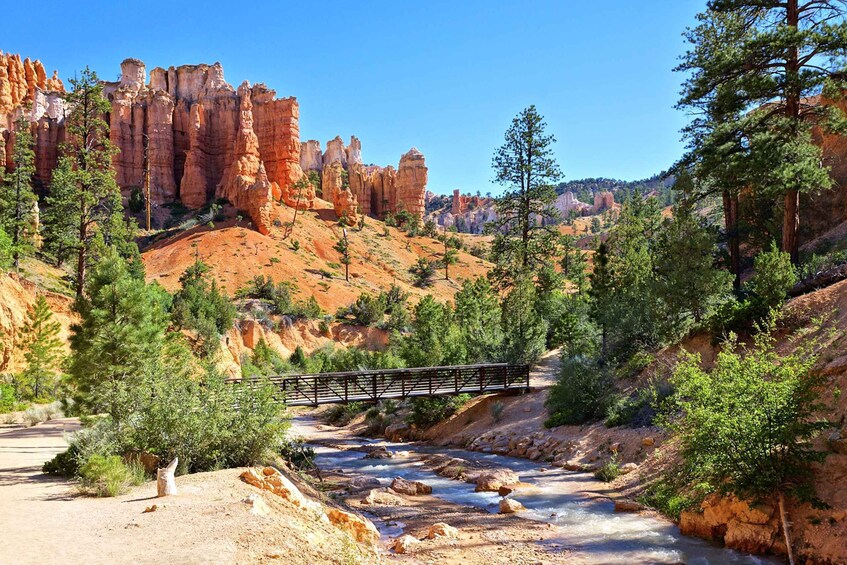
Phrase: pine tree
[756,67]
[18,202]
[524,230]
[450,257]
[118,341]
[479,316]
[39,379]
[689,285]
[574,263]
[58,223]
[601,294]
[88,191]
[343,248]
[524,329]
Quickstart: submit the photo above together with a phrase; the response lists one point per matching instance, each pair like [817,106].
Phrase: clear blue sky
[446,77]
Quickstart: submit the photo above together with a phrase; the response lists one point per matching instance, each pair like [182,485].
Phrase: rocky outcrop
[410,488]
[377,190]
[753,529]
[603,201]
[346,206]
[411,183]
[25,90]
[245,182]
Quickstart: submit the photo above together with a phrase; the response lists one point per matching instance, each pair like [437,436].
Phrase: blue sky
[446,77]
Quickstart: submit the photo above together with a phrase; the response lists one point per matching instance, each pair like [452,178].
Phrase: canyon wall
[201,139]
[376,191]
[26,90]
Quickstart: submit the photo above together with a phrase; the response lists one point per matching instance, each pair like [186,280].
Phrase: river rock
[510,506]
[440,529]
[411,488]
[491,481]
[380,452]
[362,529]
[627,506]
[505,491]
[405,543]
[381,497]
[364,482]
[397,432]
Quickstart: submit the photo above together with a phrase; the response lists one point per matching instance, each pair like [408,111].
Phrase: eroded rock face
[25,90]
[346,206]
[245,183]
[753,529]
[361,529]
[378,190]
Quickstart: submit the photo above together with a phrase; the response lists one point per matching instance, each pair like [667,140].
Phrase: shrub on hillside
[774,276]
[582,393]
[8,399]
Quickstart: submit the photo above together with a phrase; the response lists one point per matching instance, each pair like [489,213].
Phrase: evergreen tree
[574,263]
[450,257]
[762,63]
[688,283]
[58,223]
[118,341]
[18,202]
[435,338]
[601,295]
[479,316]
[524,329]
[88,194]
[200,305]
[343,247]
[524,230]
[43,355]
[422,271]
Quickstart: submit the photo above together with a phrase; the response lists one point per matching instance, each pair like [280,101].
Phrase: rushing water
[586,525]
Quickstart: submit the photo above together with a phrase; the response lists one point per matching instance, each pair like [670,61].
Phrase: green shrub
[109,476]
[298,454]
[497,410]
[427,412]
[343,414]
[8,399]
[774,276]
[64,464]
[610,471]
[582,393]
[97,439]
[665,496]
[640,408]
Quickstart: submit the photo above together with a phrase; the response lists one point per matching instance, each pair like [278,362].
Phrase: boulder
[397,432]
[627,506]
[627,468]
[648,442]
[380,452]
[510,506]
[505,491]
[270,479]
[410,488]
[360,528]
[405,543]
[492,480]
[381,497]
[364,482]
[440,529]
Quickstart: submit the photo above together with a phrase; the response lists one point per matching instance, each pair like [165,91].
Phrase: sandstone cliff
[377,190]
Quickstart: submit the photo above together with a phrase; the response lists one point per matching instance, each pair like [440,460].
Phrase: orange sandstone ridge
[206,140]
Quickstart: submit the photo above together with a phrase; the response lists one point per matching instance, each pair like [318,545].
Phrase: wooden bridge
[379,384]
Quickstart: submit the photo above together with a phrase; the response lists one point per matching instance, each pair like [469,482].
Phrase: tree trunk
[785,528]
[730,213]
[165,483]
[791,219]
[790,225]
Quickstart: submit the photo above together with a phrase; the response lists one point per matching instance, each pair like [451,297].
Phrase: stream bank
[568,518]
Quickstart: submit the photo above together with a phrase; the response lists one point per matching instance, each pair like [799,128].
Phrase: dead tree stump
[165,483]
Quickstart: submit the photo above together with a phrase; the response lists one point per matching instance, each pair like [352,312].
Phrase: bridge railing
[378,384]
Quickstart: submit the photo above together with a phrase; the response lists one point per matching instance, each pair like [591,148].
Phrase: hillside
[306,259]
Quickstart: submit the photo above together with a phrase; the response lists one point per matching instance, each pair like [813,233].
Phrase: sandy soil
[46,520]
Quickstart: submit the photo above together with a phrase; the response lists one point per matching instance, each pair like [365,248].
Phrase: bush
[423,271]
[497,410]
[343,414]
[8,399]
[664,496]
[427,412]
[366,311]
[109,476]
[99,439]
[640,408]
[298,454]
[582,393]
[610,471]
[774,276]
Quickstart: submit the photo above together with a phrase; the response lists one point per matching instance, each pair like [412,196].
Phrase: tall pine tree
[43,355]
[524,232]
[18,202]
[766,62]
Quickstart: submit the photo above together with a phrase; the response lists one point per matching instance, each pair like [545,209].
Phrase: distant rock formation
[377,190]
[26,90]
[193,131]
[567,202]
[603,201]
[465,213]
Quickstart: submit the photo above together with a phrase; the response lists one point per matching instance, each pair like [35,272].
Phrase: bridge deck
[373,385]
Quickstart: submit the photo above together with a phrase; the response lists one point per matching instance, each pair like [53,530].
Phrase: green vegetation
[39,380]
[201,306]
[18,202]
[109,476]
[429,411]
